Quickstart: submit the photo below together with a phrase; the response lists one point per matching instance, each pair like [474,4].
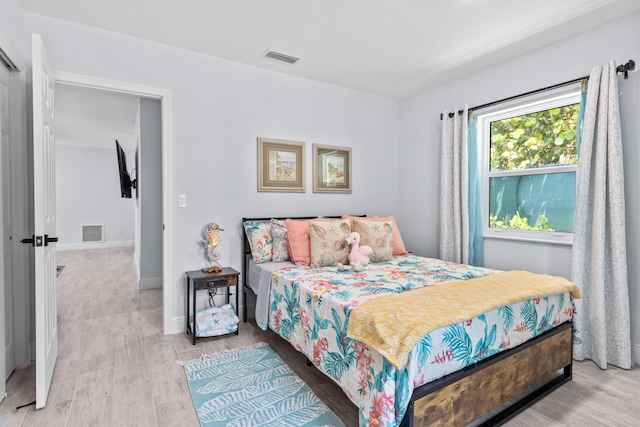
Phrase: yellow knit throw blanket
[394,324]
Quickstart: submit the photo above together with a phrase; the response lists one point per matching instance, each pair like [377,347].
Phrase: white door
[44,203]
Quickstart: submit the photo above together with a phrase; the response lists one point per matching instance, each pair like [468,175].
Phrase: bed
[484,369]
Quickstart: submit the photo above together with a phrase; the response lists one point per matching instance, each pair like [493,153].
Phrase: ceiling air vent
[280,57]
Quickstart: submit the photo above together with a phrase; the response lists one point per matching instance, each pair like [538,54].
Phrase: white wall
[12,28]
[219,109]
[150,194]
[420,130]
[88,193]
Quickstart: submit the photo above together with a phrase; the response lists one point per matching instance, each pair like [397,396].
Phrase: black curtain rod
[624,68]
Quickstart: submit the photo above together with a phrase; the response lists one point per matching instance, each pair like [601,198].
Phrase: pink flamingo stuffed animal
[359,255]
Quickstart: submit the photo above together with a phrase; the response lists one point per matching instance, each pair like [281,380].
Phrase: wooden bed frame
[482,389]
[489,392]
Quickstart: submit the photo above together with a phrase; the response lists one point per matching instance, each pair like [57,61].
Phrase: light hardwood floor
[116,368]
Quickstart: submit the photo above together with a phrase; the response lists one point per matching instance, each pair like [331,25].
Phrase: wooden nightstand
[198,280]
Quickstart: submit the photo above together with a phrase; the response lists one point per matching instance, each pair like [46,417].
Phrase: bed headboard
[247,250]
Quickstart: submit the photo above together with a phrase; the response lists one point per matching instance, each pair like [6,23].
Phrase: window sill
[565,240]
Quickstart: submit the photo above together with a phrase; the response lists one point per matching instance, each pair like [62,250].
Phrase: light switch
[182,200]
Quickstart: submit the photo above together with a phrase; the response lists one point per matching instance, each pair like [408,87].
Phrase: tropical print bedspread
[310,308]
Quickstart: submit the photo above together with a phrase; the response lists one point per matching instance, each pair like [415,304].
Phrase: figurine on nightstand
[210,242]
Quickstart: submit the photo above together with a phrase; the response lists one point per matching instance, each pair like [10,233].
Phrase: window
[531,159]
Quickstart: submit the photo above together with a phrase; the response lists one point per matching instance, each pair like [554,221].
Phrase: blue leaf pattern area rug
[253,387]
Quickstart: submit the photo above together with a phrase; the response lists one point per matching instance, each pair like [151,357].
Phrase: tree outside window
[532,163]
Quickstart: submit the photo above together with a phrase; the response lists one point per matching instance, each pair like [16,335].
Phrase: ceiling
[96,118]
[391,48]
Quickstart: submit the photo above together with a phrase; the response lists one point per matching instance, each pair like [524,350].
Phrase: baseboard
[635,353]
[176,325]
[102,245]
[153,283]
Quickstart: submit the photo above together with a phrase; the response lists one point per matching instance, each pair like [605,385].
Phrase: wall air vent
[280,57]
[92,234]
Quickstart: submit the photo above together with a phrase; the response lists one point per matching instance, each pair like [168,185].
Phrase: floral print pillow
[327,242]
[398,243]
[280,245]
[260,240]
[378,235]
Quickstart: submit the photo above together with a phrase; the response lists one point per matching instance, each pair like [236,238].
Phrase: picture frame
[331,169]
[281,165]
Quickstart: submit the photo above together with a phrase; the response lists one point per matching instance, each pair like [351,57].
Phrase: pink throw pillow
[299,241]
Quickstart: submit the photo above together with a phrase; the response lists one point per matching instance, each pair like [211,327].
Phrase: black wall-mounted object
[126,183]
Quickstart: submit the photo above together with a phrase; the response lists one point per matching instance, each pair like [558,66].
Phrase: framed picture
[280,165]
[331,169]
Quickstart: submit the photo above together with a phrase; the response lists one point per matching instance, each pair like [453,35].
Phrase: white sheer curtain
[599,264]
[454,189]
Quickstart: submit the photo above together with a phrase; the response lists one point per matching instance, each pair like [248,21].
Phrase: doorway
[164,97]
[98,205]
[90,212]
